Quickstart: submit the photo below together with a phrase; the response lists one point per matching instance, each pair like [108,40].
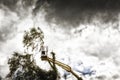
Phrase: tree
[23,66]
[0,78]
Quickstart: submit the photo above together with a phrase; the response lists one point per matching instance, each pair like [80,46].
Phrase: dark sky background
[66,13]
[70,12]
[74,12]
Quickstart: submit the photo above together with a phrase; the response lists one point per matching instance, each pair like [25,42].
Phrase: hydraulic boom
[64,66]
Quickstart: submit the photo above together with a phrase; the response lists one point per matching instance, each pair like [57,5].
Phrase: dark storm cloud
[6,33]
[12,12]
[116,76]
[9,3]
[21,7]
[69,12]
[7,24]
[14,4]
[80,11]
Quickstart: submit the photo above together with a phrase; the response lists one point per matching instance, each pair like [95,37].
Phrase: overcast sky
[78,31]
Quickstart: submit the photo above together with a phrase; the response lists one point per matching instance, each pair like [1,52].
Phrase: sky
[83,33]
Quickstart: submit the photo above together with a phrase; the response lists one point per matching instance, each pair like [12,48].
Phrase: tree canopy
[23,66]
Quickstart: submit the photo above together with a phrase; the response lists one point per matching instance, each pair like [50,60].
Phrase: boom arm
[64,66]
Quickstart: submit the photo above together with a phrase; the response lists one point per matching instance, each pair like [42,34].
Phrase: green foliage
[14,63]
[35,35]
[30,70]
